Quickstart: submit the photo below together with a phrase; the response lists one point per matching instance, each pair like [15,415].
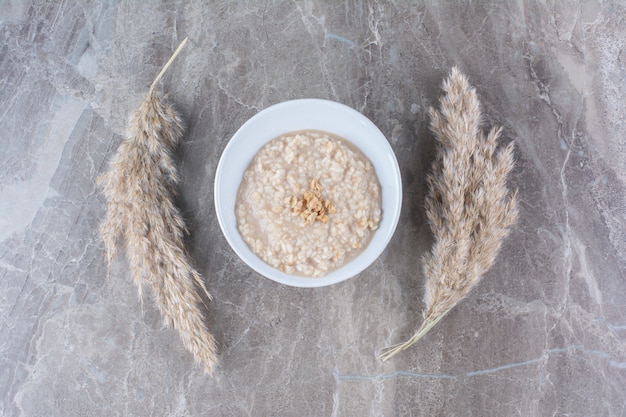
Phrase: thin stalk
[427,324]
[167,65]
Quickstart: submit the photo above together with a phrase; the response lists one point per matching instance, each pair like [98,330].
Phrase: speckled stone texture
[544,334]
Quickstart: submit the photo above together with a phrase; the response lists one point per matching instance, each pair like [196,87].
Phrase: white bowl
[297,115]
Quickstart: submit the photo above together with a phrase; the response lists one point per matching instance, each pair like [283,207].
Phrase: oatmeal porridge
[309,202]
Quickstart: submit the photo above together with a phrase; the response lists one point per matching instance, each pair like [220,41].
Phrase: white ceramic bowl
[296,115]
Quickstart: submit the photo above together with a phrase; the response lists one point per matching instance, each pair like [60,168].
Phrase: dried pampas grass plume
[469,207]
[139,187]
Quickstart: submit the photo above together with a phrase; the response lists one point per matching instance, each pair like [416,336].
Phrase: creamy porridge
[308,203]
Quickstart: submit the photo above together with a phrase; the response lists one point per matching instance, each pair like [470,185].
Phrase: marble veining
[544,334]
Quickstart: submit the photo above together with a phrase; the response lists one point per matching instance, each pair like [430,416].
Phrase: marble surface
[543,335]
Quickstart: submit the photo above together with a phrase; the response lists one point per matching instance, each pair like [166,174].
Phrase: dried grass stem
[469,207]
[140,188]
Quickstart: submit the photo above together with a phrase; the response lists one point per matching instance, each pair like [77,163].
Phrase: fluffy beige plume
[469,207]
[140,188]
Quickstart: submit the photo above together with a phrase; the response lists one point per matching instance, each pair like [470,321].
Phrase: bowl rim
[391,205]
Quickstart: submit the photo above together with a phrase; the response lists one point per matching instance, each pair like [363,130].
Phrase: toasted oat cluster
[308,203]
[311,207]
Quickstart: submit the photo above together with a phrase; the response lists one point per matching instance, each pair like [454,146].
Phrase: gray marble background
[543,335]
